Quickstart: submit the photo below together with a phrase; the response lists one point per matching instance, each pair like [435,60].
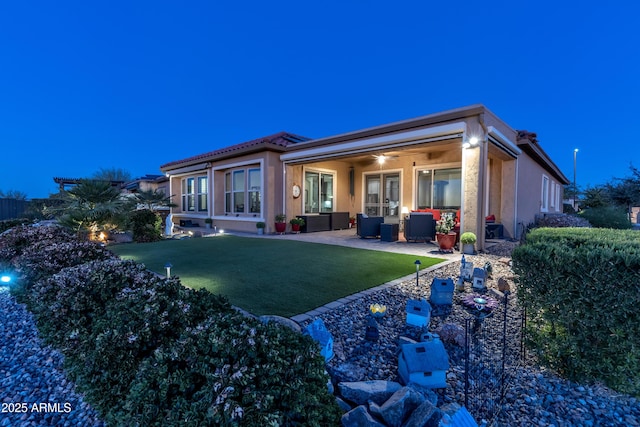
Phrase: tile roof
[280,139]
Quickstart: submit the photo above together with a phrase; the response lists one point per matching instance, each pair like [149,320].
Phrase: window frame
[250,195]
[419,171]
[195,193]
[544,194]
[331,193]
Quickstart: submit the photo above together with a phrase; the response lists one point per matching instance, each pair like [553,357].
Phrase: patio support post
[474,177]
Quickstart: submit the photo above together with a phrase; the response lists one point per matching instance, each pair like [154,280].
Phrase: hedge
[581,291]
[147,351]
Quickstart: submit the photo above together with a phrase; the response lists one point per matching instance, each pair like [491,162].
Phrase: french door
[382,196]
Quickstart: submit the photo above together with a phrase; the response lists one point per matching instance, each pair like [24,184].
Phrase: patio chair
[368,226]
[420,227]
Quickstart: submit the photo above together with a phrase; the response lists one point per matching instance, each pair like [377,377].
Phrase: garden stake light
[168,267]
[417,263]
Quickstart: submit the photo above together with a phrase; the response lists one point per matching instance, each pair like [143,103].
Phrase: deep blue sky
[86,85]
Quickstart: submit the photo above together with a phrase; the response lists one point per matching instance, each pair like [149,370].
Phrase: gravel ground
[535,396]
[34,390]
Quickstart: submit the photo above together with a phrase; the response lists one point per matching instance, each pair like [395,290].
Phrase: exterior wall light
[471,142]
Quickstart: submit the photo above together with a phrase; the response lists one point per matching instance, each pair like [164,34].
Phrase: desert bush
[43,259]
[124,329]
[233,370]
[108,316]
[145,225]
[15,240]
[607,217]
[581,291]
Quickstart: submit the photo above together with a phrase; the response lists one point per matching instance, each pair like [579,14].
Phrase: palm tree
[92,206]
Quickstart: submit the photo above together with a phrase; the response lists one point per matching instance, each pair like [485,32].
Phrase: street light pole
[575,188]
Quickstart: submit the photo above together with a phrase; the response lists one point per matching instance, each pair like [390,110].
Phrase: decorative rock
[396,409]
[503,285]
[359,417]
[451,333]
[425,414]
[361,392]
[343,405]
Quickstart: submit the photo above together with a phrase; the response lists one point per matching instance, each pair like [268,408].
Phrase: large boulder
[427,414]
[359,417]
[398,407]
[361,392]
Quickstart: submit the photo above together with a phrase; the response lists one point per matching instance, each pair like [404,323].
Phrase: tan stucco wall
[530,191]
[508,197]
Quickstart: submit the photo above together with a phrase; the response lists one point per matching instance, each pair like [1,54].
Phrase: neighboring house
[146,183]
[464,159]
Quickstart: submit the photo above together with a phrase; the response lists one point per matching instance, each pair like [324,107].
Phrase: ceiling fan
[383,158]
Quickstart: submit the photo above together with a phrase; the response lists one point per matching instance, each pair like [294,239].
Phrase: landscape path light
[417,263]
[168,266]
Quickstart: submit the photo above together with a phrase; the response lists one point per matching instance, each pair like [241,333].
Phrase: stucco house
[465,160]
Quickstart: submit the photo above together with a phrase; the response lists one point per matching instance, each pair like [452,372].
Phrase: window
[243,191]
[254,190]
[202,193]
[195,197]
[544,204]
[188,196]
[318,192]
[558,205]
[439,188]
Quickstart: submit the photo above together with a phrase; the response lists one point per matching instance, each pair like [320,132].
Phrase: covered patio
[459,163]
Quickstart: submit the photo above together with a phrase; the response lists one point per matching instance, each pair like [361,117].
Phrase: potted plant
[296,223]
[281,225]
[352,221]
[208,222]
[468,240]
[444,236]
[260,226]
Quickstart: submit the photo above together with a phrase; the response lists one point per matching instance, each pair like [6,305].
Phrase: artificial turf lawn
[270,276]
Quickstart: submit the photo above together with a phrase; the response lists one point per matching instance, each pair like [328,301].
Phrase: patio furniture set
[419,226]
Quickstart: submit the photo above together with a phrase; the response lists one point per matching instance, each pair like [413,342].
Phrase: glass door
[318,192]
[382,197]
[391,198]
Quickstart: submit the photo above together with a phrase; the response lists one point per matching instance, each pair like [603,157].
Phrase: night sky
[86,85]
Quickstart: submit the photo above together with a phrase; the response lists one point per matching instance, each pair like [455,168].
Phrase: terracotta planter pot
[281,227]
[446,242]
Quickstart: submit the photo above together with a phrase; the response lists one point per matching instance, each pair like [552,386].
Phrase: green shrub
[607,217]
[182,356]
[110,315]
[233,370]
[581,291]
[146,226]
[15,240]
[43,259]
